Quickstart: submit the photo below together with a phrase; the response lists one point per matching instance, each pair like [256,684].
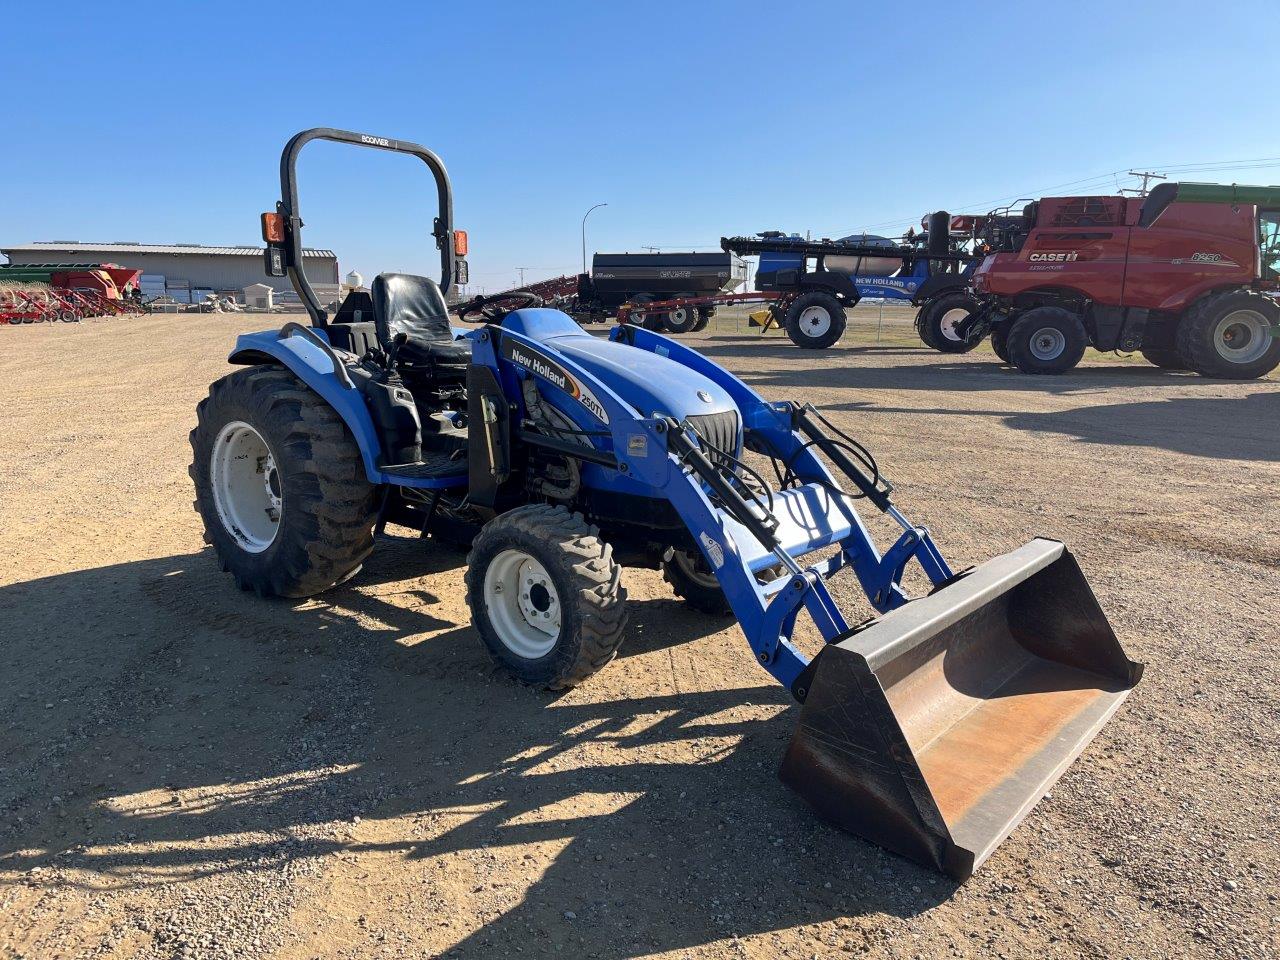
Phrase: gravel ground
[187,771]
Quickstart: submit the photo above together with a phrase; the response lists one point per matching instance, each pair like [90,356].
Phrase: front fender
[315,368]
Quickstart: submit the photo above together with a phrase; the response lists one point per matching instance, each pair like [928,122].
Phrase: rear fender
[314,367]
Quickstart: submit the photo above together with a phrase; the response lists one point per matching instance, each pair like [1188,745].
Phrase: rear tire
[682,320]
[704,317]
[938,318]
[1000,340]
[570,621]
[1046,340]
[1226,336]
[815,320]
[1163,357]
[324,507]
[693,581]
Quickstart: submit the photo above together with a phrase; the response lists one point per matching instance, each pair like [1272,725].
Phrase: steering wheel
[489,309]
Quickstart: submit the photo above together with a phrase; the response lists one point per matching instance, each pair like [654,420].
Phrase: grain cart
[559,456]
[1189,276]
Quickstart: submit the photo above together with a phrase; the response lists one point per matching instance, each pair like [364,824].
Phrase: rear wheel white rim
[815,321]
[1242,336]
[950,320]
[524,607]
[247,491]
[1048,343]
[698,572]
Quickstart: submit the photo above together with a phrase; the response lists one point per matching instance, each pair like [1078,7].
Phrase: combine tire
[280,485]
[1000,340]
[1228,336]
[938,319]
[682,320]
[1164,357]
[1046,340]
[815,320]
[692,580]
[546,595]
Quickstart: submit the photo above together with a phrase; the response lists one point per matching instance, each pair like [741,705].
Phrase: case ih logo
[1064,257]
[376,141]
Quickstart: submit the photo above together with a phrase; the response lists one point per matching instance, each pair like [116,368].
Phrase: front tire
[1228,336]
[546,595]
[815,320]
[280,485]
[938,320]
[1046,340]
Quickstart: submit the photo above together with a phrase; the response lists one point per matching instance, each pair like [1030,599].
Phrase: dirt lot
[188,771]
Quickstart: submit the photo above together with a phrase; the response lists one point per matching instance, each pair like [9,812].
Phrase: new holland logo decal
[540,365]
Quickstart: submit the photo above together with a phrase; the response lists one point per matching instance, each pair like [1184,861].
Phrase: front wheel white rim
[815,321]
[247,491]
[524,607]
[950,320]
[1242,336]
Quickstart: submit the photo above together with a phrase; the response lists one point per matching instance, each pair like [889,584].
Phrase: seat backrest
[404,303]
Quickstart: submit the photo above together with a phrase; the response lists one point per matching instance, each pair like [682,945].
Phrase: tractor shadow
[159,726]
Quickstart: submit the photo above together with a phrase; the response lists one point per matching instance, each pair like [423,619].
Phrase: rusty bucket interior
[935,729]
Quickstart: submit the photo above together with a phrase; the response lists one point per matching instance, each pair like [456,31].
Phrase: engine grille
[719,430]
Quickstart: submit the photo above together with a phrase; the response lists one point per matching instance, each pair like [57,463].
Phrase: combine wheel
[682,320]
[546,595]
[1229,336]
[815,320]
[1165,357]
[280,485]
[692,580]
[1000,339]
[1046,340]
[939,319]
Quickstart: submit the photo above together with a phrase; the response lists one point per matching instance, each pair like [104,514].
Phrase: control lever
[398,341]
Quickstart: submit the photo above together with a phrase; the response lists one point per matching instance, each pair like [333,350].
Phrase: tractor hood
[648,382]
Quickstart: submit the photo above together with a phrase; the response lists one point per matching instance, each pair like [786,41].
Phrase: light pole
[584,234]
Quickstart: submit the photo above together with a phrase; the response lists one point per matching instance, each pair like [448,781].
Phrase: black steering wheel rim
[489,309]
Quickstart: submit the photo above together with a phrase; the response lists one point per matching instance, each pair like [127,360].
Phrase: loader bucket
[936,728]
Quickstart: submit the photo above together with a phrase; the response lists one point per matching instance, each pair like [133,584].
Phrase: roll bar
[284,255]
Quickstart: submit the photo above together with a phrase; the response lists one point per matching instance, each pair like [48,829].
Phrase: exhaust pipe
[935,729]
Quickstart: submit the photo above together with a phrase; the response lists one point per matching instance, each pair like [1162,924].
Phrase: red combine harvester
[1189,276]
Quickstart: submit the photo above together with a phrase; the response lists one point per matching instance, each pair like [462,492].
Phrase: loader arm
[936,727]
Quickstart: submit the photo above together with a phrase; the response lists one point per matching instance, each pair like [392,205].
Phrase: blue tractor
[930,728]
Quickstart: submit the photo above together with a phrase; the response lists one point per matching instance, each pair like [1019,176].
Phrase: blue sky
[164,122]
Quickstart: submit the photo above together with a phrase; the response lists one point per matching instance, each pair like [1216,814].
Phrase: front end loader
[931,728]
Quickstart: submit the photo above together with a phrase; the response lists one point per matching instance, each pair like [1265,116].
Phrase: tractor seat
[403,303]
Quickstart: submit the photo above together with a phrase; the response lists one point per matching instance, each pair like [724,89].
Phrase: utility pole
[584,233]
[522,270]
[652,249]
[1147,177]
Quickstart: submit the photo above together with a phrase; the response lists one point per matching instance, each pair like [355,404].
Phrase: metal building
[184,265]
